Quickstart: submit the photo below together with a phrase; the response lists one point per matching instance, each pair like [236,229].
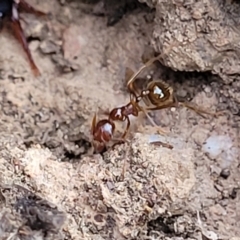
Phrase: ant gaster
[9,10]
[157,95]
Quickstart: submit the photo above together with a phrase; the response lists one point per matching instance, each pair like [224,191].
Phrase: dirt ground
[51,188]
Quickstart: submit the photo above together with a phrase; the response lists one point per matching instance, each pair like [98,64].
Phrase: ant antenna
[149,63]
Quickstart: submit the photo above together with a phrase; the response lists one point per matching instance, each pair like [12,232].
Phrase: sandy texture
[51,188]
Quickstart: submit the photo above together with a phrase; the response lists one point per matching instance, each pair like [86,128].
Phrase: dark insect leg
[199,110]
[18,31]
[118,141]
[94,120]
[127,128]
[150,62]
[159,129]
[162,144]
[29,9]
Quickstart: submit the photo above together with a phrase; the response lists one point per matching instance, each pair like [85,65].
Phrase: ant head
[160,93]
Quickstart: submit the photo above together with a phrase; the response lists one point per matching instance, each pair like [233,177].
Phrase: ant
[157,95]
[103,130]
[9,9]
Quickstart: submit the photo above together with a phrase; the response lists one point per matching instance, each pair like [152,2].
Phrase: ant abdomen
[103,131]
[159,94]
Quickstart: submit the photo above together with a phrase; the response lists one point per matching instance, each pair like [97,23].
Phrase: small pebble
[233,194]
[224,202]
[225,173]
[225,194]
[99,218]
[33,45]
[207,89]
[49,47]
[182,93]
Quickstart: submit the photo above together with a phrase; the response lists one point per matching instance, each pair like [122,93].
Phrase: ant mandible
[9,9]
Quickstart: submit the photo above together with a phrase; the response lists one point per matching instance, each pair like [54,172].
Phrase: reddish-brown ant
[9,9]
[158,95]
[103,130]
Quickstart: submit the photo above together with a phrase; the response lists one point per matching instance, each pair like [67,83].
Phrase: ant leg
[117,141]
[147,55]
[162,144]
[199,110]
[150,62]
[159,129]
[128,74]
[133,91]
[159,107]
[94,120]
[122,138]
[97,147]
[131,88]
[190,106]
[18,31]
[29,9]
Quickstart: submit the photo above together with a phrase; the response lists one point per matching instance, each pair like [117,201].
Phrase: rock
[25,214]
[73,42]
[207,33]
[225,173]
[49,47]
